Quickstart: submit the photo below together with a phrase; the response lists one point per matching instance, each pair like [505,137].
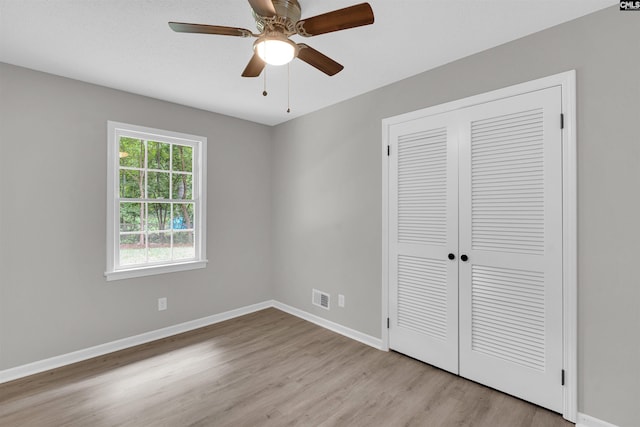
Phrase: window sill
[153,270]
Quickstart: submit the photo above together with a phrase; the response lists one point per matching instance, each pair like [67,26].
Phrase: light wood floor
[264,369]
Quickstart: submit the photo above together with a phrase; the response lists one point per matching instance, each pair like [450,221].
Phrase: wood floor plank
[264,369]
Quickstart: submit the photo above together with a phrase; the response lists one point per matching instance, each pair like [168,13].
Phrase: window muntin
[156,197]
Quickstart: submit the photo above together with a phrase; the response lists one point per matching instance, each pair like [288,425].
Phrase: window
[156,207]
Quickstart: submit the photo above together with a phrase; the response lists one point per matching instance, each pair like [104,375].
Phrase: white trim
[332,326]
[199,178]
[567,82]
[531,86]
[570,245]
[385,235]
[154,269]
[585,420]
[121,344]
[11,374]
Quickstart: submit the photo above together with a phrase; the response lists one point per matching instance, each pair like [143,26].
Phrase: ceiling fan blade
[263,7]
[341,19]
[318,60]
[254,67]
[183,27]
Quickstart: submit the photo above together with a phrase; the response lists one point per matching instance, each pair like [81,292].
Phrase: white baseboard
[585,420]
[335,327]
[11,374]
[101,349]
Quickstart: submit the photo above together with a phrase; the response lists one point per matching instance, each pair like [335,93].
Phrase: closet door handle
[451,257]
[464,258]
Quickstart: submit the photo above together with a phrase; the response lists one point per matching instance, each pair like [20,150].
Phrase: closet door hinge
[388,150]
[561,121]
[387,323]
[562,379]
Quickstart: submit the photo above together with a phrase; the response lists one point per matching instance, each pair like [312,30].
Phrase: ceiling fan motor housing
[288,12]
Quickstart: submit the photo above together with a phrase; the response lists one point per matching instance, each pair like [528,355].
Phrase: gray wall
[53,296]
[308,192]
[327,193]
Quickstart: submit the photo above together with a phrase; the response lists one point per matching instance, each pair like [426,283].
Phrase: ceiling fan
[276,21]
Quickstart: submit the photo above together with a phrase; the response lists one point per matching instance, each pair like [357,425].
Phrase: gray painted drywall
[53,296]
[323,220]
[327,193]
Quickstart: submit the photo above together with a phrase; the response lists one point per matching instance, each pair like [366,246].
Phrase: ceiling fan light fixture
[275,49]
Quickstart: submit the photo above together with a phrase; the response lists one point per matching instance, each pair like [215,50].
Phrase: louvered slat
[422,187]
[508,315]
[422,295]
[507,183]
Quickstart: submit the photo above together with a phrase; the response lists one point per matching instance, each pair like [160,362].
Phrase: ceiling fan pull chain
[264,91]
[289,87]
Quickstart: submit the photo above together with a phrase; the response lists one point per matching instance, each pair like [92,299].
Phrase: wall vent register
[320,299]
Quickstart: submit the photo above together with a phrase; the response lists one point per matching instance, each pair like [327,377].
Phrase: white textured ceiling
[127,45]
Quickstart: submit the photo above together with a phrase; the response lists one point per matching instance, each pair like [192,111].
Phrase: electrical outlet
[162,303]
[340,300]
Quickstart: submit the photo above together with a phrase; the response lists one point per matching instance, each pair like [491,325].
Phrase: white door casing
[482,273]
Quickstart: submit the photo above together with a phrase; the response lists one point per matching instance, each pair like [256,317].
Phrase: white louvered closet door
[511,231]
[423,227]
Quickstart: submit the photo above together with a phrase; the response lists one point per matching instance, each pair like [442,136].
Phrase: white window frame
[115,131]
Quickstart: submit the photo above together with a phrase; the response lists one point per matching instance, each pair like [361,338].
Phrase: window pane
[131,183]
[158,185]
[132,249]
[131,216]
[155,199]
[183,245]
[159,247]
[182,186]
[182,216]
[182,158]
[131,152]
[159,216]
[158,155]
